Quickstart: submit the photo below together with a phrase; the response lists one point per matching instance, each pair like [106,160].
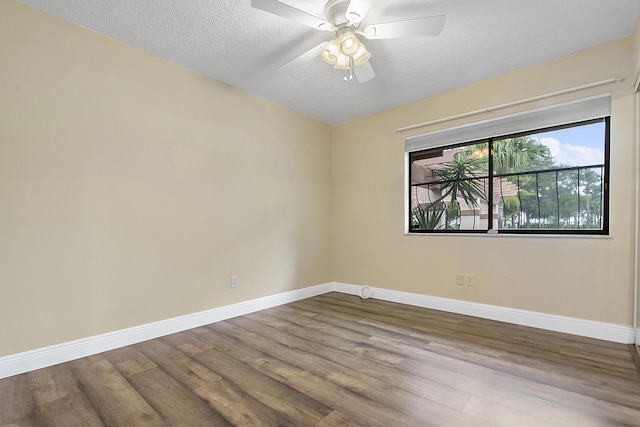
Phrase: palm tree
[519,154]
[460,178]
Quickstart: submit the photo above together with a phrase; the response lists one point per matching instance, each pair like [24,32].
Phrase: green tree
[520,154]
[511,210]
[580,198]
[523,154]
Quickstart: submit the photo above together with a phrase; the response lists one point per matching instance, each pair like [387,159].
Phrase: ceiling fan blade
[357,9]
[418,27]
[281,9]
[305,57]
[364,72]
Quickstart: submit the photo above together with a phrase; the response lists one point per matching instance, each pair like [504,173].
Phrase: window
[550,180]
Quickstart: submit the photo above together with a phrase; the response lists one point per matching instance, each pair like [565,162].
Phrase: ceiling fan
[344,18]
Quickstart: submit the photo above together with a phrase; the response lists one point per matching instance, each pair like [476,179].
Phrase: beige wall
[131,188]
[588,278]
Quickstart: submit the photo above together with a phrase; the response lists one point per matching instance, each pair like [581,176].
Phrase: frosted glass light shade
[343,62]
[349,44]
[361,56]
[331,52]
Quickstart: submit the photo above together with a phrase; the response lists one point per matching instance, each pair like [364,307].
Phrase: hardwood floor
[338,360]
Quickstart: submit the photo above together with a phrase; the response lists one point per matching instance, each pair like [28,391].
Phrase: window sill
[524,236]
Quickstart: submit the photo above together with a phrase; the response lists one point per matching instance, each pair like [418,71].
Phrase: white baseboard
[40,358]
[570,325]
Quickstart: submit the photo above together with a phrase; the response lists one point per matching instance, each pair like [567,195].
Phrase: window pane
[551,180]
[449,188]
[575,146]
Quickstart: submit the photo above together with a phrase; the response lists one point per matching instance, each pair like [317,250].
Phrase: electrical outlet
[459,279]
[233,282]
[469,280]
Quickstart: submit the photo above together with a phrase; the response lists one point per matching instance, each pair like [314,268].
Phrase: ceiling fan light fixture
[345,51]
[349,44]
[331,52]
[343,62]
[361,56]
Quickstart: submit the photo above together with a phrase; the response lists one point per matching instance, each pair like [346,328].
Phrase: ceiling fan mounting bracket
[336,13]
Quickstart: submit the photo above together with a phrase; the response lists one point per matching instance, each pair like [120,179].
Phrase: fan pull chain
[348,73]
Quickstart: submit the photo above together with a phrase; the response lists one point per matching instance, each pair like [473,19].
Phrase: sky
[578,146]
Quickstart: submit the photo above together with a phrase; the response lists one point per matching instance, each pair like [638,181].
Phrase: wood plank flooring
[338,360]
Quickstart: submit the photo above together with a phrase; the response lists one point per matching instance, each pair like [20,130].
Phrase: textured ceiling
[229,41]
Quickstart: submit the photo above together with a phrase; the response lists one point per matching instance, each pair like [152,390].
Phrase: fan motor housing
[336,12]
